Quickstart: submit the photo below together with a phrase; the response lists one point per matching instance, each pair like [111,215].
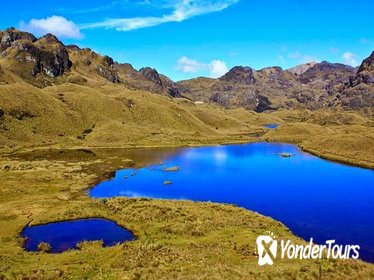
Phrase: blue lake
[313,197]
[63,236]
[271,125]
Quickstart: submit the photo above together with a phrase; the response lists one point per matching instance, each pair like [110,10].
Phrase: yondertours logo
[268,246]
[266,249]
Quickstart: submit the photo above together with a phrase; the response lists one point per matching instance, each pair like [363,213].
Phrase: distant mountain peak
[50,38]
[326,71]
[11,35]
[302,68]
[151,74]
[365,73]
[240,74]
[325,65]
[367,64]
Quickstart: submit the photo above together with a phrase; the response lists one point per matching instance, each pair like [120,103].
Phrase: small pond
[271,125]
[63,236]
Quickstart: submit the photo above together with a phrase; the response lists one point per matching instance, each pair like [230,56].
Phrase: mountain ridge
[46,61]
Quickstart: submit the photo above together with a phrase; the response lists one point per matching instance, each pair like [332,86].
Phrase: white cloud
[187,65]
[350,59]
[302,58]
[57,25]
[216,68]
[181,10]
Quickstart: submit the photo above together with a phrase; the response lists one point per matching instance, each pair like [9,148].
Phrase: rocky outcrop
[11,35]
[46,55]
[365,73]
[358,92]
[240,75]
[108,74]
[367,64]
[326,71]
[88,61]
[301,69]
[263,104]
[170,86]
[107,69]
[272,72]
[146,79]
[151,74]
[275,77]
[52,56]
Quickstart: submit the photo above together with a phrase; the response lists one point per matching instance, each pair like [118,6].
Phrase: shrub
[44,247]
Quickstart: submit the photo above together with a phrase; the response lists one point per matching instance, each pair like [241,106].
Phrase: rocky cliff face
[29,57]
[11,35]
[326,71]
[107,70]
[147,79]
[358,92]
[152,75]
[365,73]
[367,64]
[52,56]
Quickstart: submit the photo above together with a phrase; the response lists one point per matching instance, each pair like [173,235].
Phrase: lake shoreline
[228,163]
[323,154]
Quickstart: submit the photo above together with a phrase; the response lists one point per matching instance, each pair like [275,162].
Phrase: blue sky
[190,38]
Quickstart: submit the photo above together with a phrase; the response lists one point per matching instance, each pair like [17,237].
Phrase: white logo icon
[267,249]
